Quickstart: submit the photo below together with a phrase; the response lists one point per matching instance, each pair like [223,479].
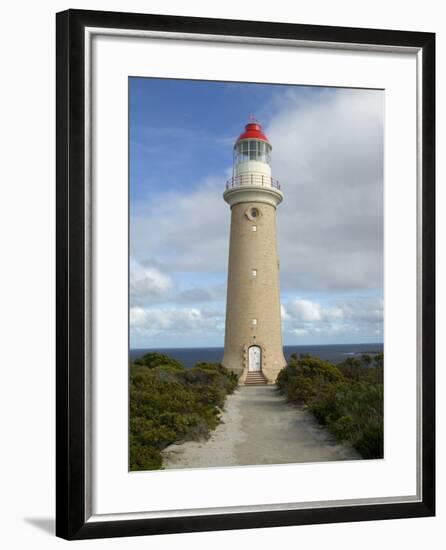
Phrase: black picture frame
[71,517]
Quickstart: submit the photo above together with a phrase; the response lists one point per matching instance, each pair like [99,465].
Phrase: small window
[254,272]
[254,322]
[268,153]
[262,151]
[254,212]
[254,227]
[242,152]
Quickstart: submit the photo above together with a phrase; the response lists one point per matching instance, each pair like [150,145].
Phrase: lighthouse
[253,332]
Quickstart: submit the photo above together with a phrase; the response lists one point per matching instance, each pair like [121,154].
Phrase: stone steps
[255,378]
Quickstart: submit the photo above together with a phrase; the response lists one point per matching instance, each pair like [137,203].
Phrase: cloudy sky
[328,156]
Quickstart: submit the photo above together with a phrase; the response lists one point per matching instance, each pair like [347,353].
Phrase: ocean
[335,353]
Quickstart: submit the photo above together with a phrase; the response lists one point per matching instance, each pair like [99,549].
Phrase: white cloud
[310,311]
[328,155]
[147,283]
[283,313]
[305,310]
[335,313]
[187,231]
[355,315]
[194,295]
[151,321]
[137,316]
[369,310]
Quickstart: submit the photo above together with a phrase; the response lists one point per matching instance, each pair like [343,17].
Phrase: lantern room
[252,145]
[252,157]
[251,149]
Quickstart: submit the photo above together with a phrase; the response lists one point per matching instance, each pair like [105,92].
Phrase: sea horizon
[335,353]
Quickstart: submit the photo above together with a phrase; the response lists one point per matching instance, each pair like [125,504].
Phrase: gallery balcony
[256,180]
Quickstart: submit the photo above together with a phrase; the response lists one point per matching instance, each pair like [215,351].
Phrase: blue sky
[327,153]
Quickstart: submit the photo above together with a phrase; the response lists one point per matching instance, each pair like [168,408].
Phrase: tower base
[270,367]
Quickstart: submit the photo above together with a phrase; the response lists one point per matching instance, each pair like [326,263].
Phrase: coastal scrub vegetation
[171,404]
[346,398]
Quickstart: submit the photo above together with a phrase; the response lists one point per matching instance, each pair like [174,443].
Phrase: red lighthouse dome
[253,130]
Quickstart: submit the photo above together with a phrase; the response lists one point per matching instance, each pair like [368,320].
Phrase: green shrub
[144,457]
[343,427]
[156,359]
[371,444]
[347,399]
[171,404]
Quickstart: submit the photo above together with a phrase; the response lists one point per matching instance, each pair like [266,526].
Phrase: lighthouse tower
[253,335]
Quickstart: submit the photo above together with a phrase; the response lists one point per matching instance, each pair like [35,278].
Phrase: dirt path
[259,427]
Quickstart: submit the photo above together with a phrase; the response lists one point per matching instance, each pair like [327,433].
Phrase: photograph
[256,274]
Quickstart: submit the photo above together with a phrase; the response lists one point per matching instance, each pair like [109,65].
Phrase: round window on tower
[252,213]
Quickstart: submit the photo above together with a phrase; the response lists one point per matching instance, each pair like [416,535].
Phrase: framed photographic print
[245,274]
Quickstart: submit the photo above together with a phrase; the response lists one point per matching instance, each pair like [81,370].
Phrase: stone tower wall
[253,297]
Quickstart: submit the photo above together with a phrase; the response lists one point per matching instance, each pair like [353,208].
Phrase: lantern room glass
[252,149]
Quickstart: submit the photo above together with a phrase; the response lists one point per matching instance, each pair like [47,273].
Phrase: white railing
[258,180]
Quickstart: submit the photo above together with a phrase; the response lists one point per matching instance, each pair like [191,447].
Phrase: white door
[254,359]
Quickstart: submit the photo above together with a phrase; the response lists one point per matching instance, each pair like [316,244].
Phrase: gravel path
[259,427]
